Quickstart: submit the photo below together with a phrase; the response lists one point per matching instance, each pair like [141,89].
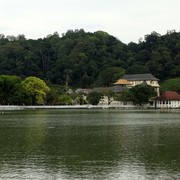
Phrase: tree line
[85,59]
[14,90]
[34,91]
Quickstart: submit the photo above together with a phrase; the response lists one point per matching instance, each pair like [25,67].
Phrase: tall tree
[141,94]
[37,89]
[9,88]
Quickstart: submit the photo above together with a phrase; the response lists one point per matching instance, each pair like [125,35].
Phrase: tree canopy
[94,98]
[36,88]
[85,59]
[139,94]
[8,88]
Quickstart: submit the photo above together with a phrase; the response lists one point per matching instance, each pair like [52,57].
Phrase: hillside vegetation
[171,85]
[85,59]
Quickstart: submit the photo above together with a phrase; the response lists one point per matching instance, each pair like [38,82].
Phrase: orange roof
[122,82]
[169,95]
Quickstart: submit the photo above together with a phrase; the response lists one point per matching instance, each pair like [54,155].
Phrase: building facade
[132,80]
[169,99]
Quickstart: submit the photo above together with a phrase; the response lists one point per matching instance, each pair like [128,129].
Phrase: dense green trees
[14,90]
[65,99]
[85,59]
[36,88]
[34,91]
[94,98]
[139,95]
[9,86]
[109,76]
[142,93]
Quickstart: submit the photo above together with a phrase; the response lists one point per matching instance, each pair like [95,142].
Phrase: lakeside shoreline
[88,106]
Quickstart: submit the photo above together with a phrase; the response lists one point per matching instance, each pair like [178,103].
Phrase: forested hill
[84,59]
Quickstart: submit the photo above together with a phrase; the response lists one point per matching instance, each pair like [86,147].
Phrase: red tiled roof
[169,95]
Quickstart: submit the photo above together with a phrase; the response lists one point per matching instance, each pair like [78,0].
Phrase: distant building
[120,86]
[127,82]
[169,99]
[83,91]
[131,80]
[123,82]
[70,91]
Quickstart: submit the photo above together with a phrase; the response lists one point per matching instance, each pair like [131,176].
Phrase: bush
[94,98]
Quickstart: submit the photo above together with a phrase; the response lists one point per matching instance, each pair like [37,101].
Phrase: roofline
[131,75]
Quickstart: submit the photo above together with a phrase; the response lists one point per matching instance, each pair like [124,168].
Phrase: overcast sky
[128,20]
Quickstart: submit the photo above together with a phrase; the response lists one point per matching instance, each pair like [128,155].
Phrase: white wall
[168,104]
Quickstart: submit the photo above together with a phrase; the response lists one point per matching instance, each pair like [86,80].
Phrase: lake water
[90,144]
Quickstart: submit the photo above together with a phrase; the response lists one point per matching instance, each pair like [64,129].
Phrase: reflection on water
[90,144]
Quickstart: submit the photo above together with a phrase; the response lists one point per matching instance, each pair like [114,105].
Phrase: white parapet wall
[168,104]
